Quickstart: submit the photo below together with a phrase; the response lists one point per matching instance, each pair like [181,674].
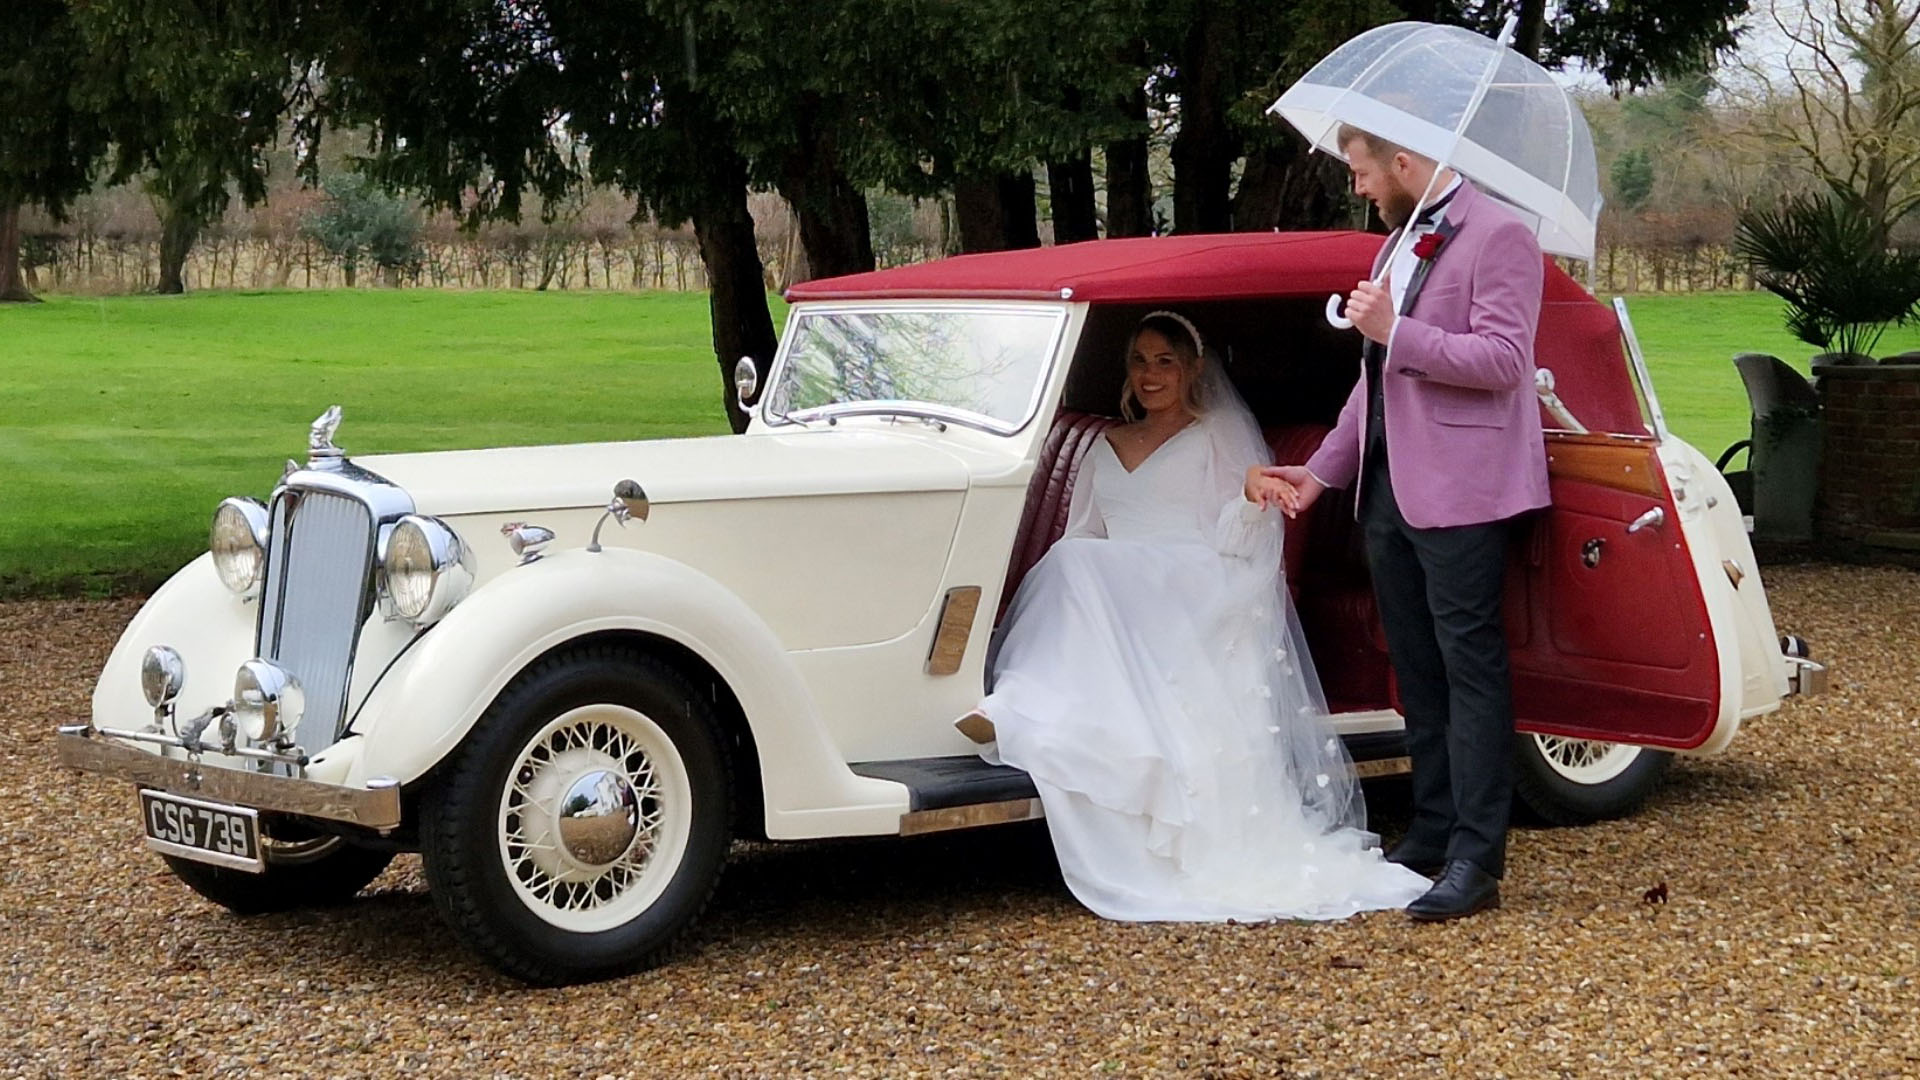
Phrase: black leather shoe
[1420,862]
[1462,890]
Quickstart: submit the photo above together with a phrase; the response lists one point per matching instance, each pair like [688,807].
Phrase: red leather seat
[1050,492]
[1324,554]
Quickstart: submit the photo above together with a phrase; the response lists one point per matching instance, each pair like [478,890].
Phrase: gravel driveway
[1789,943]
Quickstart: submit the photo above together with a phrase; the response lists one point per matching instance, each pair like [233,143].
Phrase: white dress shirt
[1404,266]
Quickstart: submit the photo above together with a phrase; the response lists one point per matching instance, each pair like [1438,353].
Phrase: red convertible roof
[1147,270]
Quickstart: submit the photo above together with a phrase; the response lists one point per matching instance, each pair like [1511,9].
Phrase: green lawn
[123,421]
[1690,343]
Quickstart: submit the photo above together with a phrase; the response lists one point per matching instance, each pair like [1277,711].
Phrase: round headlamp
[267,700]
[162,674]
[427,569]
[239,545]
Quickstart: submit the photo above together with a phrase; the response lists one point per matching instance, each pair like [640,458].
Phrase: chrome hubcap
[599,817]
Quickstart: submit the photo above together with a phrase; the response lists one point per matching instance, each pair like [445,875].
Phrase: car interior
[1295,372]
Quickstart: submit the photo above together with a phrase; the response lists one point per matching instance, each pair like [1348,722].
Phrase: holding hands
[1290,487]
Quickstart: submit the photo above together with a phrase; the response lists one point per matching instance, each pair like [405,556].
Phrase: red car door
[1611,637]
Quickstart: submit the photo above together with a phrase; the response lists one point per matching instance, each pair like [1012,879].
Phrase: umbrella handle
[1334,318]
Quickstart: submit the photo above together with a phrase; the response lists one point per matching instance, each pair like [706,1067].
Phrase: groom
[1442,435]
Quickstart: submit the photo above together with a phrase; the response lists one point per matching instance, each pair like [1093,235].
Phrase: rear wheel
[584,822]
[303,871]
[1576,781]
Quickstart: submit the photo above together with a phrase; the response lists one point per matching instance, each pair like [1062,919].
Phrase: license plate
[203,831]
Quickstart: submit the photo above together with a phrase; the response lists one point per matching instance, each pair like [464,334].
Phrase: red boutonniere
[1428,245]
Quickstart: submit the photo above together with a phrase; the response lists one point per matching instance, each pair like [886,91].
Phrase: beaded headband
[1185,323]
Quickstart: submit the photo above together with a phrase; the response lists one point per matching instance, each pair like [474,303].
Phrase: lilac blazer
[1463,424]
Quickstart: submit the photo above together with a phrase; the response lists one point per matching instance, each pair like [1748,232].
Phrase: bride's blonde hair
[1186,345]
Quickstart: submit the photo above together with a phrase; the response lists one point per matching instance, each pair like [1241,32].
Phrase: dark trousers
[1439,593]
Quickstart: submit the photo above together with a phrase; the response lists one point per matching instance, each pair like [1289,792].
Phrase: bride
[1152,679]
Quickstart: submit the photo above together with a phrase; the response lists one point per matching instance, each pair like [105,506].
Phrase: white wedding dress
[1152,679]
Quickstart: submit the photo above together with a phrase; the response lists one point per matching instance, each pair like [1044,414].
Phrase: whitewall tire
[582,826]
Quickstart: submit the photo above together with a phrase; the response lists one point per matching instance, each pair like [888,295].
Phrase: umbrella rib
[1566,168]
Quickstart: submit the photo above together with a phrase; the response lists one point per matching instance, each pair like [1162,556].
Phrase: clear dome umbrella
[1470,103]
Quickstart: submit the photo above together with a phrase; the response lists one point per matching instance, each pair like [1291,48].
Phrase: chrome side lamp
[527,541]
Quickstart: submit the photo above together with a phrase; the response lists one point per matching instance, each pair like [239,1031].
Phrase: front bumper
[376,806]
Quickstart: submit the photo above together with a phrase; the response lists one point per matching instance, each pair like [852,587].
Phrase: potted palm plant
[1830,261]
[1844,285]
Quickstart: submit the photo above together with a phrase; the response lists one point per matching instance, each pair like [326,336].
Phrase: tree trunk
[13,290]
[1286,187]
[996,212]
[1070,183]
[832,213]
[1531,31]
[737,298]
[1205,148]
[1129,185]
[178,230]
[949,234]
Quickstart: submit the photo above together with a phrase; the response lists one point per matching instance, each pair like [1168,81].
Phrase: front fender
[194,614]
[430,699]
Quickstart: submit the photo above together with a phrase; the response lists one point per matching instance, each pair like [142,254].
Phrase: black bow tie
[1427,216]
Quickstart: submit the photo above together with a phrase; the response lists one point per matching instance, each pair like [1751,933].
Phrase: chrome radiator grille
[317,595]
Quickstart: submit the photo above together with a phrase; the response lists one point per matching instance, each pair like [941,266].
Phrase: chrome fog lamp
[162,674]
[239,545]
[427,569]
[267,700]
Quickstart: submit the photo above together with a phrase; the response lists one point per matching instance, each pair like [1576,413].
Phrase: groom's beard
[1396,207]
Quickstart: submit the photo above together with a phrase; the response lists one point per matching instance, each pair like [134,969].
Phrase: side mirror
[746,380]
[629,501]
[632,496]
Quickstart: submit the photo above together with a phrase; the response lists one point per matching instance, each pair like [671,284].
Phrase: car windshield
[983,365]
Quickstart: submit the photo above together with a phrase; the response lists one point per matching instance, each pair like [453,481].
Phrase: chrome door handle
[1653,518]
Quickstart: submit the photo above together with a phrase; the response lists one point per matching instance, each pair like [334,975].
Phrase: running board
[1378,753]
[916,822]
[958,792]
[964,792]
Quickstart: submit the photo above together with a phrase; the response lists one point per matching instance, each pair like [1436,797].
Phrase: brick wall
[1870,454]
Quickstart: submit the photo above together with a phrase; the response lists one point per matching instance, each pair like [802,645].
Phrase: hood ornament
[321,453]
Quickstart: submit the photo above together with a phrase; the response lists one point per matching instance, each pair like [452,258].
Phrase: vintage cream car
[570,705]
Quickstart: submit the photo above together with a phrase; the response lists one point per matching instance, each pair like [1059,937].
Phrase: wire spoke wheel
[594,819]
[1584,761]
